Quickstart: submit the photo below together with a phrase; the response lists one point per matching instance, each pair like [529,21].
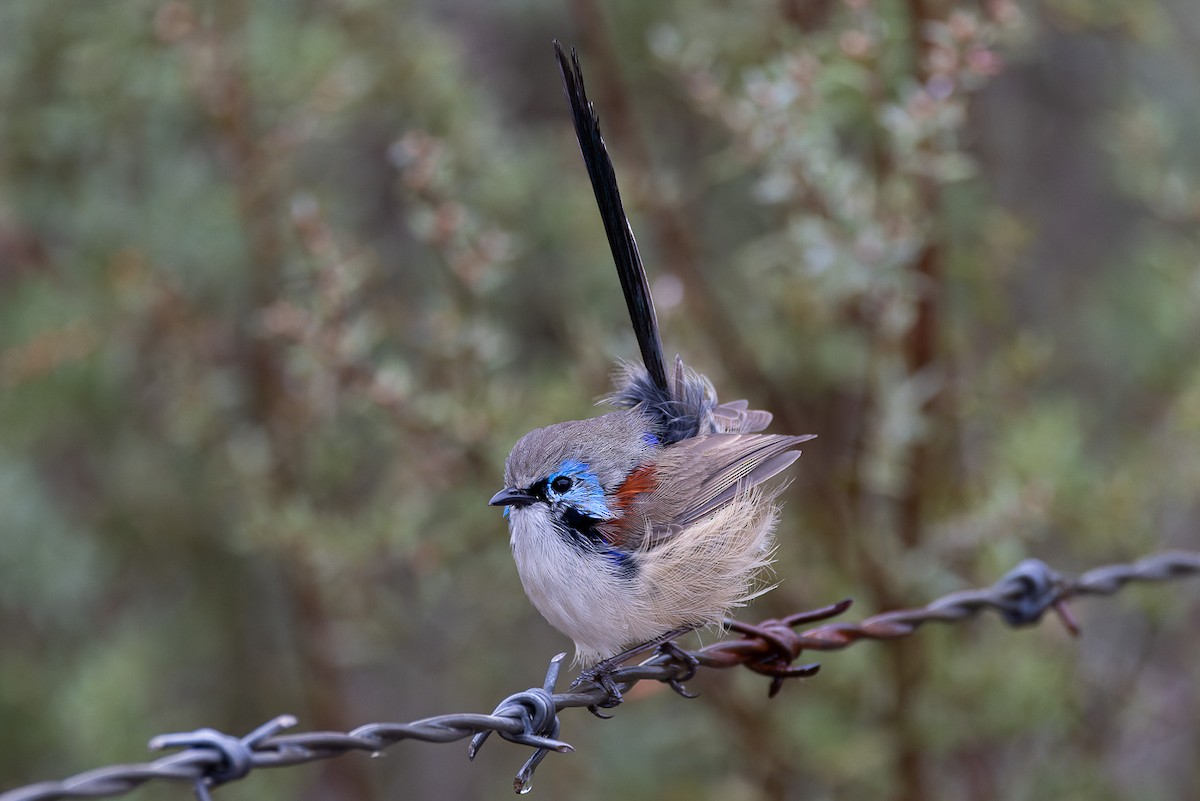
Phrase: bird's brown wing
[695,477]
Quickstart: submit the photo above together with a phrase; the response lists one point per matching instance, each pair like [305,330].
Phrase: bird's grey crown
[611,445]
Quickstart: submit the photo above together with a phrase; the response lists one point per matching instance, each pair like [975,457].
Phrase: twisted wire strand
[210,758]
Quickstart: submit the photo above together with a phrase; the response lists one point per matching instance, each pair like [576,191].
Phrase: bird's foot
[689,664]
[601,674]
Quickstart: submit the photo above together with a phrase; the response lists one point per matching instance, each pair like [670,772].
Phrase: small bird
[634,527]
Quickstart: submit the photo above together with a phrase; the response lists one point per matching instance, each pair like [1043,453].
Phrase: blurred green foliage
[281,282]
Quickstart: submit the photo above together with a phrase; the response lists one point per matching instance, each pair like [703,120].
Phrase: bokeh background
[282,281]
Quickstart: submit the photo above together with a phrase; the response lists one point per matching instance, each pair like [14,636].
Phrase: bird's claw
[688,666]
[601,675]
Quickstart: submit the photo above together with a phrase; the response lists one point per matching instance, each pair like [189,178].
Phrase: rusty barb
[1022,598]
[208,758]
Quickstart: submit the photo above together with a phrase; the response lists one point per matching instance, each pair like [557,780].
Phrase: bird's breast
[585,593]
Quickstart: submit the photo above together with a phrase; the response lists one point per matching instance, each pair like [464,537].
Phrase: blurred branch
[210,758]
[217,60]
[47,352]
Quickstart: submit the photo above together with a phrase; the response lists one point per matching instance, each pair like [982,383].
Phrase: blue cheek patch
[587,496]
[650,439]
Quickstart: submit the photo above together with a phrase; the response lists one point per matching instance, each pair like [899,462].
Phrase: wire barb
[209,758]
[235,755]
[536,710]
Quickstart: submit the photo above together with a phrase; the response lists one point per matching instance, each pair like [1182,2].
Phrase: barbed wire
[209,758]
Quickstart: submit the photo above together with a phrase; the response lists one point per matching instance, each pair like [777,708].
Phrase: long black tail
[616,225]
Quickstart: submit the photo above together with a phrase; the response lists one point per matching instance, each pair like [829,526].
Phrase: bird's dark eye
[561,484]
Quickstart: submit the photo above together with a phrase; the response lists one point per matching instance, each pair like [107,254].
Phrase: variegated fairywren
[654,519]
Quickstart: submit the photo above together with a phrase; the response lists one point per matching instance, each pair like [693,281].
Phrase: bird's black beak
[511,496]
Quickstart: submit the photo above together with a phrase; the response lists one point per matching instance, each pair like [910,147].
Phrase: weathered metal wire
[210,758]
